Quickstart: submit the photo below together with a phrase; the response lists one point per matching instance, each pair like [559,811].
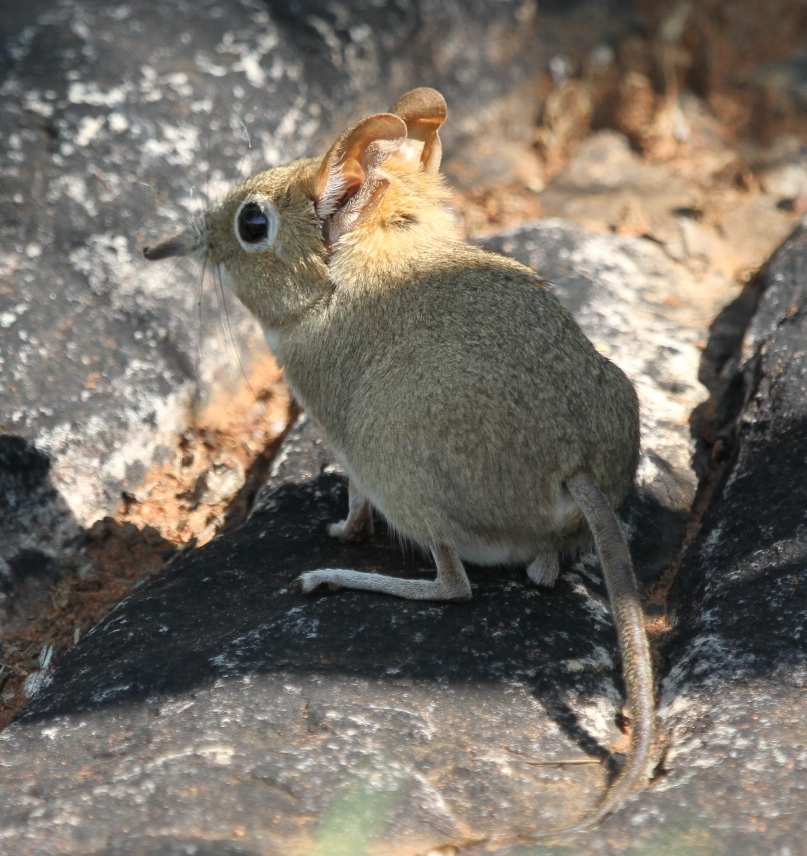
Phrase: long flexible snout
[181,244]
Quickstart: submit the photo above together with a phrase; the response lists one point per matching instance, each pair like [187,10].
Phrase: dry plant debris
[696,116]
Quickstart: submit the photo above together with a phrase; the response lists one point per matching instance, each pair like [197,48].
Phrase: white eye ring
[255,224]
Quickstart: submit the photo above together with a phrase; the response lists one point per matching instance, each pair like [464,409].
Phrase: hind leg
[543,570]
[451,583]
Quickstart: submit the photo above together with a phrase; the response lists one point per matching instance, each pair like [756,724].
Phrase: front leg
[451,583]
[358,525]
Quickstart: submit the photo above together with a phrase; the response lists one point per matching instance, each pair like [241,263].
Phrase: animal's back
[474,394]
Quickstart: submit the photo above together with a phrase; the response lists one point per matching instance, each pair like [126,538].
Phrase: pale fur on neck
[370,257]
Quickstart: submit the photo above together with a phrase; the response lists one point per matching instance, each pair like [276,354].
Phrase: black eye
[253,224]
[256,224]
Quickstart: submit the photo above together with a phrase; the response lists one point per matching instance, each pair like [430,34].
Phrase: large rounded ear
[349,183]
[424,110]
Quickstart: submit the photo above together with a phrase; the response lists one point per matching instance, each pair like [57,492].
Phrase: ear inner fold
[424,111]
[344,168]
[356,208]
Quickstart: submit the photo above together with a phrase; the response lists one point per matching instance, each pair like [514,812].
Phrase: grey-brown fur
[450,426]
[466,404]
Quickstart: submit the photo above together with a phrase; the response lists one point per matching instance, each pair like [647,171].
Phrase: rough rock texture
[695,208]
[278,721]
[733,698]
[38,528]
[115,121]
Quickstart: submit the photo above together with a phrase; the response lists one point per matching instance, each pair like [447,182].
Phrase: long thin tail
[637,670]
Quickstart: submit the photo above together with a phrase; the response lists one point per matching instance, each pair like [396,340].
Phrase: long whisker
[225,319]
[197,204]
[199,320]
[208,144]
[248,152]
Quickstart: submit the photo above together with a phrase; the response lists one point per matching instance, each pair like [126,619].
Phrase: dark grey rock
[38,529]
[733,698]
[117,120]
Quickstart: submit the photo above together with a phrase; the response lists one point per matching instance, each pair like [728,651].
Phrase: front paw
[311,580]
[544,570]
[349,531]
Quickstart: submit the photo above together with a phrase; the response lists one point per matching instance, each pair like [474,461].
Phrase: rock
[787,181]
[733,692]
[293,721]
[705,207]
[782,84]
[782,170]
[117,123]
[603,161]
[38,529]
[604,177]
[274,709]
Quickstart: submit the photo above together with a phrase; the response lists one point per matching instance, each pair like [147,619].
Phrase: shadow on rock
[39,536]
[229,609]
[743,582]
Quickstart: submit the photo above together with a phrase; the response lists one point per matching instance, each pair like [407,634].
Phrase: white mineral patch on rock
[88,129]
[89,93]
